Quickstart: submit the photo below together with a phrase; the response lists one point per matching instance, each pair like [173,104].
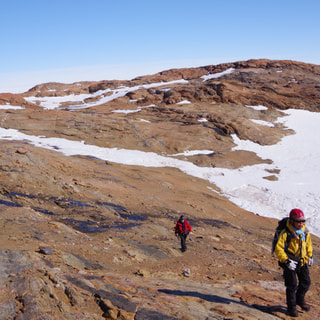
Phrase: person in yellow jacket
[294,252]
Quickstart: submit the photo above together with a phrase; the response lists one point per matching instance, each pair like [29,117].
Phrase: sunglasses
[300,221]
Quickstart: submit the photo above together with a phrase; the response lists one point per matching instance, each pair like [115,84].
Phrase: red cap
[296,214]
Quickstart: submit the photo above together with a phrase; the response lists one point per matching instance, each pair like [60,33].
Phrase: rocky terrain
[84,238]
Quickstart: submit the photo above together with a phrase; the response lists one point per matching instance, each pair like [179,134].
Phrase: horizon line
[20,82]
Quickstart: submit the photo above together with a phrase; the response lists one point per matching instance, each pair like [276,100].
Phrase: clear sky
[76,40]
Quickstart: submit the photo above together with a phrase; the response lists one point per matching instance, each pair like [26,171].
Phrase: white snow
[55,102]
[217,75]
[296,156]
[143,120]
[126,111]
[105,96]
[192,153]
[298,181]
[263,123]
[133,111]
[8,106]
[184,102]
[258,108]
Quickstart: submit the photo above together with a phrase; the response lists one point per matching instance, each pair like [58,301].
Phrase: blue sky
[76,40]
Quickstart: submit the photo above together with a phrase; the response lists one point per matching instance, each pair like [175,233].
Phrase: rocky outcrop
[15,100]
[83,238]
[280,84]
[53,89]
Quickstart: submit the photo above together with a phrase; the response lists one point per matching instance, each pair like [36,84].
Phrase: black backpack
[282,224]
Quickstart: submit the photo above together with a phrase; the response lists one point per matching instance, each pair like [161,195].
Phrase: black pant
[296,292]
[183,238]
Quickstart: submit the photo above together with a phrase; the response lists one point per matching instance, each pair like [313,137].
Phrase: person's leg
[183,242]
[303,287]
[290,281]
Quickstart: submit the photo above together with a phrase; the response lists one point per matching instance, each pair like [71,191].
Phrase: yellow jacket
[297,248]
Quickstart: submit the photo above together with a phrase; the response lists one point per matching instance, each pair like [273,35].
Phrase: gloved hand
[291,264]
[310,261]
[176,234]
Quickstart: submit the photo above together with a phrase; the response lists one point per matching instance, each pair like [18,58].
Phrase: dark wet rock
[45,250]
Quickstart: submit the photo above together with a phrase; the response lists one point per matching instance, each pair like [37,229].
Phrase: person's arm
[309,246]
[188,227]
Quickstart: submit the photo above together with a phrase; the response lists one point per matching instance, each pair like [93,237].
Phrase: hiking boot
[304,306]
[293,313]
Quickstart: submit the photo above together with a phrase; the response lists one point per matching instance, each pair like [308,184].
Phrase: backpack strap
[289,237]
[286,245]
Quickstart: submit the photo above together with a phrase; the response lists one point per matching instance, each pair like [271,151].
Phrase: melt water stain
[217,223]
[68,203]
[81,225]
[122,225]
[119,209]
[122,211]
[10,204]
[85,226]
[44,211]
[132,216]
[59,201]
[92,226]
[62,202]
[16,194]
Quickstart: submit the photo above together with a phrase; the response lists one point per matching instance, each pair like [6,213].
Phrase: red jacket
[183,227]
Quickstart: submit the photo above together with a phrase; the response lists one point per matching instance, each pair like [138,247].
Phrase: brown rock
[101,223]
[22,151]
[15,100]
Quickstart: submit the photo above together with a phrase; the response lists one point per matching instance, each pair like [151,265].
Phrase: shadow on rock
[207,297]
[271,309]
[217,299]
[274,310]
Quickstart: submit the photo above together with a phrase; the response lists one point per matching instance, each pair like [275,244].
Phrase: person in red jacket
[182,230]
